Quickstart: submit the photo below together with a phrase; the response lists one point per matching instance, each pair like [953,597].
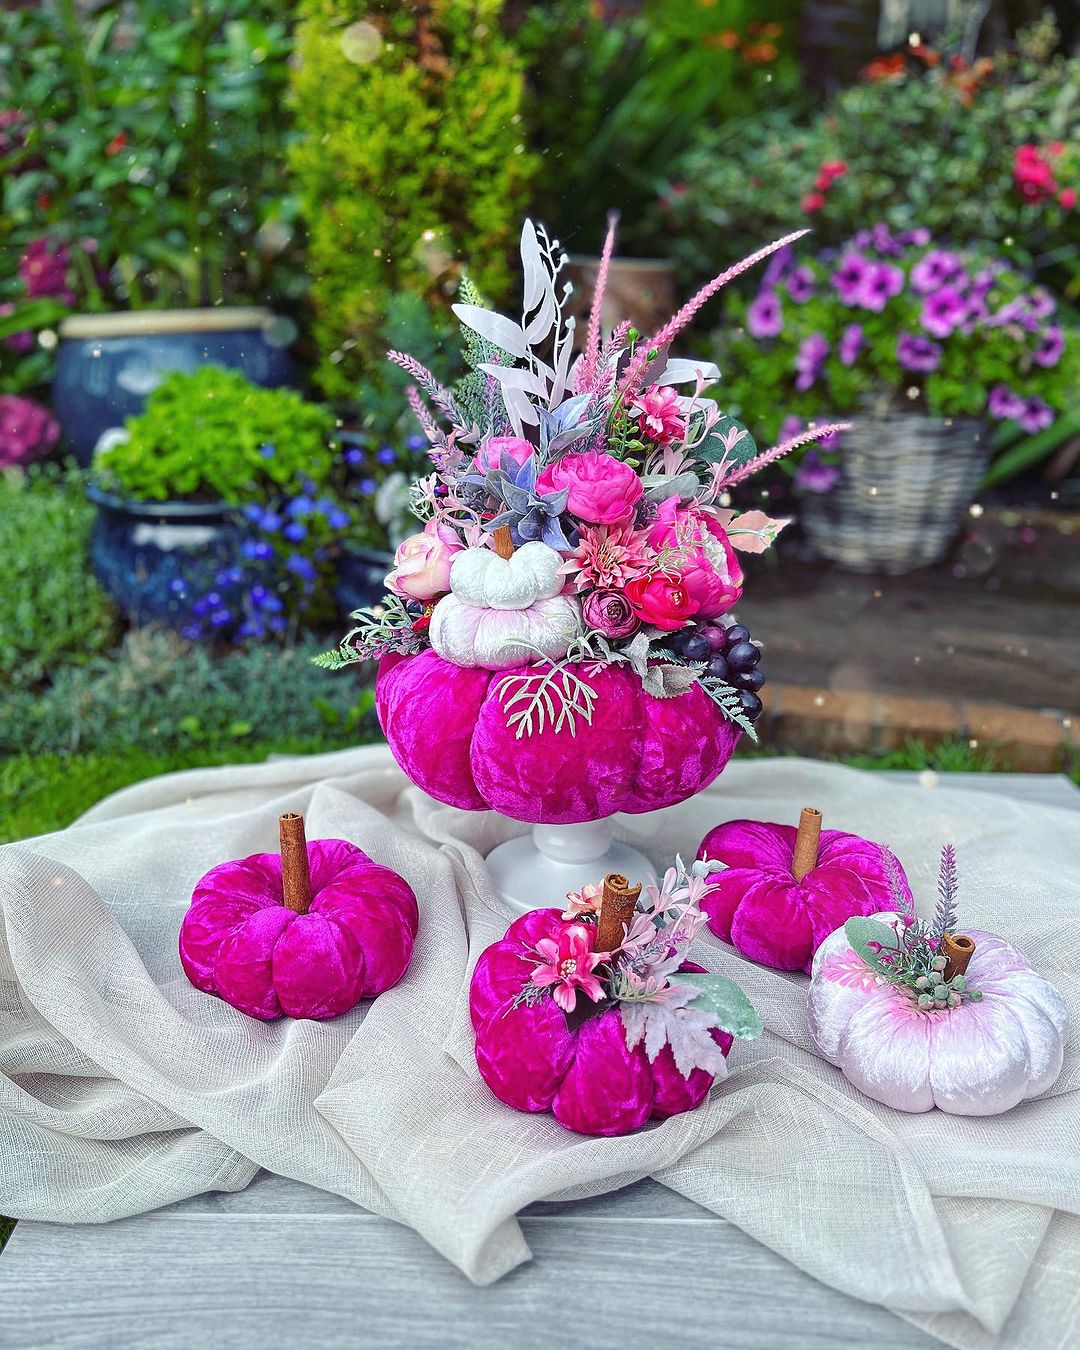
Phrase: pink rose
[603,490]
[706,561]
[610,613]
[422,563]
[27,430]
[661,600]
[490,453]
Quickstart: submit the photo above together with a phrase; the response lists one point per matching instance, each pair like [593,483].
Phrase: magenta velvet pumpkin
[448,730]
[240,941]
[766,914]
[533,1059]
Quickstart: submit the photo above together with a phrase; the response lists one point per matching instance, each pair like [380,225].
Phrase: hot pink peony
[662,600]
[27,430]
[567,964]
[492,451]
[704,556]
[422,563]
[659,419]
[603,490]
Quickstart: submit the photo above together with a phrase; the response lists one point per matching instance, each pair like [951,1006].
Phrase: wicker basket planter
[906,481]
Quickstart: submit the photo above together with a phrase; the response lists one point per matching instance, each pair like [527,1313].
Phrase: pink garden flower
[422,563]
[585,901]
[703,556]
[662,600]
[492,451]
[602,489]
[566,966]
[609,556]
[27,430]
[610,613]
[43,270]
[659,419]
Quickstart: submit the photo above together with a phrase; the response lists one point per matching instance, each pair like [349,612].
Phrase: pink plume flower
[567,965]
[659,419]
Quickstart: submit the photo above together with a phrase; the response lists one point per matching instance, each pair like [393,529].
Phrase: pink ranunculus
[603,490]
[658,416]
[662,600]
[27,430]
[422,563]
[567,965]
[610,613]
[704,558]
[492,451]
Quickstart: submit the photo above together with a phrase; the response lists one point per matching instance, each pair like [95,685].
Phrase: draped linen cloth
[122,1088]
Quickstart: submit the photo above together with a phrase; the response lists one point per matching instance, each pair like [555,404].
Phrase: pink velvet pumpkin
[534,1059]
[241,940]
[448,729]
[776,902]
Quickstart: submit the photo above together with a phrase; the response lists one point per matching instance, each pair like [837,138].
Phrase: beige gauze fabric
[122,1088]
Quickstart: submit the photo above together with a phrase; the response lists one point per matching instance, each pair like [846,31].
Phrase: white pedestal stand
[536,870]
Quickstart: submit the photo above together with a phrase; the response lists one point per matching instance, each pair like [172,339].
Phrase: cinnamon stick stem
[616,911]
[295,871]
[958,949]
[806,842]
[503,541]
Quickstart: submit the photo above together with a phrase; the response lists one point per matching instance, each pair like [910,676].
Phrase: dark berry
[696,647]
[674,641]
[717,635]
[751,679]
[743,655]
[737,633]
[751,704]
[717,667]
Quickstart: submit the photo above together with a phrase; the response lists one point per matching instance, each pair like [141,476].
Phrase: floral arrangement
[577,513]
[893,320]
[910,954]
[642,976]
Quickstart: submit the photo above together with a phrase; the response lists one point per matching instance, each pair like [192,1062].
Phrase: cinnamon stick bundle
[806,842]
[295,871]
[958,949]
[617,905]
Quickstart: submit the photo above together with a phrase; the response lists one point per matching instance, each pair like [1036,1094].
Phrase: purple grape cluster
[729,655]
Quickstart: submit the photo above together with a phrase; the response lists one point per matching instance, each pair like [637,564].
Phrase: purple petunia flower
[936,269]
[1003,402]
[850,276]
[851,343]
[812,353]
[1035,416]
[942,311]
[919,236]
[800,285]
[790,427]
[775,268]
[887,243]
[881,283]
[765,316]
[814,475]
[918,353]
[1050,350]
[1041,303]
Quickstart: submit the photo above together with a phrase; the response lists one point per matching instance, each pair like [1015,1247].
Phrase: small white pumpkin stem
[617,905]
[958,949]
[806,842]
[295,870]
[503,541]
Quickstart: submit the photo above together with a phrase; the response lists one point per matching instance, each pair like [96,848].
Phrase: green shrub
[409,160]
[53,610]
[159,691]
[213,435]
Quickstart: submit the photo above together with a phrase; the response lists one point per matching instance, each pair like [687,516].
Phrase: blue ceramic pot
[361,578]
[153,556]
[107,364]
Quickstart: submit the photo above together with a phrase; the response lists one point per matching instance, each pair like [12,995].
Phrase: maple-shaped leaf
[754,531]
[724,1001]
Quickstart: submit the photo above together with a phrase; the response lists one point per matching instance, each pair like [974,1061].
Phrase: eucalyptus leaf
[725,1001]
[861,932]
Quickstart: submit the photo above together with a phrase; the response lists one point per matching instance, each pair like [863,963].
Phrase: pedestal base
[536,870]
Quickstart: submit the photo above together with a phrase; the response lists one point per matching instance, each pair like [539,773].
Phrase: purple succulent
[881,283]
[800,285]
[1004,403]
[812,353]
[765,316]
[814,475]
[1035,416]
[850,277]
[1048,353]
[851,343]
[943,311]
[937,268]
[918,353]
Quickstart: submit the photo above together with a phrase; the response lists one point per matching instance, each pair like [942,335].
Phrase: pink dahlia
[659,419]
[609,556]
[567,965]
[27,430]
[702,555]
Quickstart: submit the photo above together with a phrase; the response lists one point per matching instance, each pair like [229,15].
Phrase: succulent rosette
[577,561]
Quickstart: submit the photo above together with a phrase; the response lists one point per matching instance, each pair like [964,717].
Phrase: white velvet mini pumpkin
[499,639]
[479,576]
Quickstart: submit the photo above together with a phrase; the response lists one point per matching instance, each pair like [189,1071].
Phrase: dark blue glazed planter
[361,578]
[107,364]
[153,556]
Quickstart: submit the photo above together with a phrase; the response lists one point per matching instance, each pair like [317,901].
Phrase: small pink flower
[659,419]
[662,600]
[585,901]
[610,613]
[567,964]
[608,556]
[703,556]
[422,563]
[602,489]
[492,451]
[27,430]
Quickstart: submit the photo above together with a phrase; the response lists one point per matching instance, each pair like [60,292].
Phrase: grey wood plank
[256,1281]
